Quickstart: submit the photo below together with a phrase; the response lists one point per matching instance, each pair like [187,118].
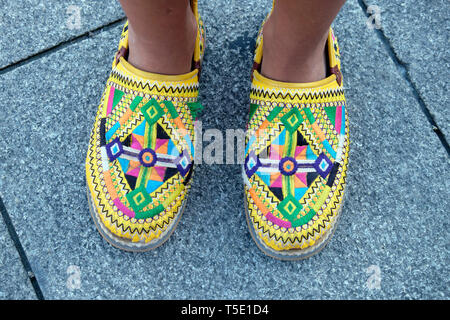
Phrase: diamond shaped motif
[289,208]
[292,120]
[184,163]
[323,165]
[251,164]
[114,149]
[138,199]
[152,111]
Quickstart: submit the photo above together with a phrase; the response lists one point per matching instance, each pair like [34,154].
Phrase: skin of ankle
[166,45]
[289,55]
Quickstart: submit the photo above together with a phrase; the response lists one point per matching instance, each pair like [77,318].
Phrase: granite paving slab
[31,26]
[419,32]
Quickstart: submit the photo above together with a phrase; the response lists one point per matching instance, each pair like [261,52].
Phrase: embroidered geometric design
[183,163]
[252,164]
[152,111]
[288,166]
[292,120]
[139,199]
[323,165]
[289,208]
[296,156]
[138,166]
[114,149]
[147,157]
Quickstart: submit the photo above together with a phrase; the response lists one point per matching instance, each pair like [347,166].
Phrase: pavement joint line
[22,255]
[61,45]
[403,69]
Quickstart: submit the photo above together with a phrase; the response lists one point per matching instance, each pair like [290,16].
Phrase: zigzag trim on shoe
[168,89]
[293,94]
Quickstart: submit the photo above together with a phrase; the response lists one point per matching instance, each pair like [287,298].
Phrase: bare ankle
[164,48]
[290,57]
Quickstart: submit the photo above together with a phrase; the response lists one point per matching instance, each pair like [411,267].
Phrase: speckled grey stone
[396,215]
[14,283]
[419,31]
[30,26]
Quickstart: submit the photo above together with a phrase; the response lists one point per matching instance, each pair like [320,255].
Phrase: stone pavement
[395,221]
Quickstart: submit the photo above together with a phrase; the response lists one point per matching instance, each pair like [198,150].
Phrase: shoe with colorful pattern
[296,160]
[139,163]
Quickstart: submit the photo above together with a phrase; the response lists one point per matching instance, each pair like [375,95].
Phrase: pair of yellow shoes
[141,154]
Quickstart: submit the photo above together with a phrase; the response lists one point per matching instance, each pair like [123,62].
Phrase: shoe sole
[293,254]
[125,244]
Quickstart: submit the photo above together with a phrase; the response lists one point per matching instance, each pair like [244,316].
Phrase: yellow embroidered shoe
[139,163]
[296,160]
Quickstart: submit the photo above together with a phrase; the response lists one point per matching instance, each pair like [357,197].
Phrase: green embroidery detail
[135,102]
[289,208]
[152,111]
[139,199]
[292,120]
[150,213]
[117,96]
[275,111]
[173,112]
[312,209]
[292,148]
[309,115]
[253,108]
[304,220]
[150,134]
[195,108]
[289,151]
[331,113]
